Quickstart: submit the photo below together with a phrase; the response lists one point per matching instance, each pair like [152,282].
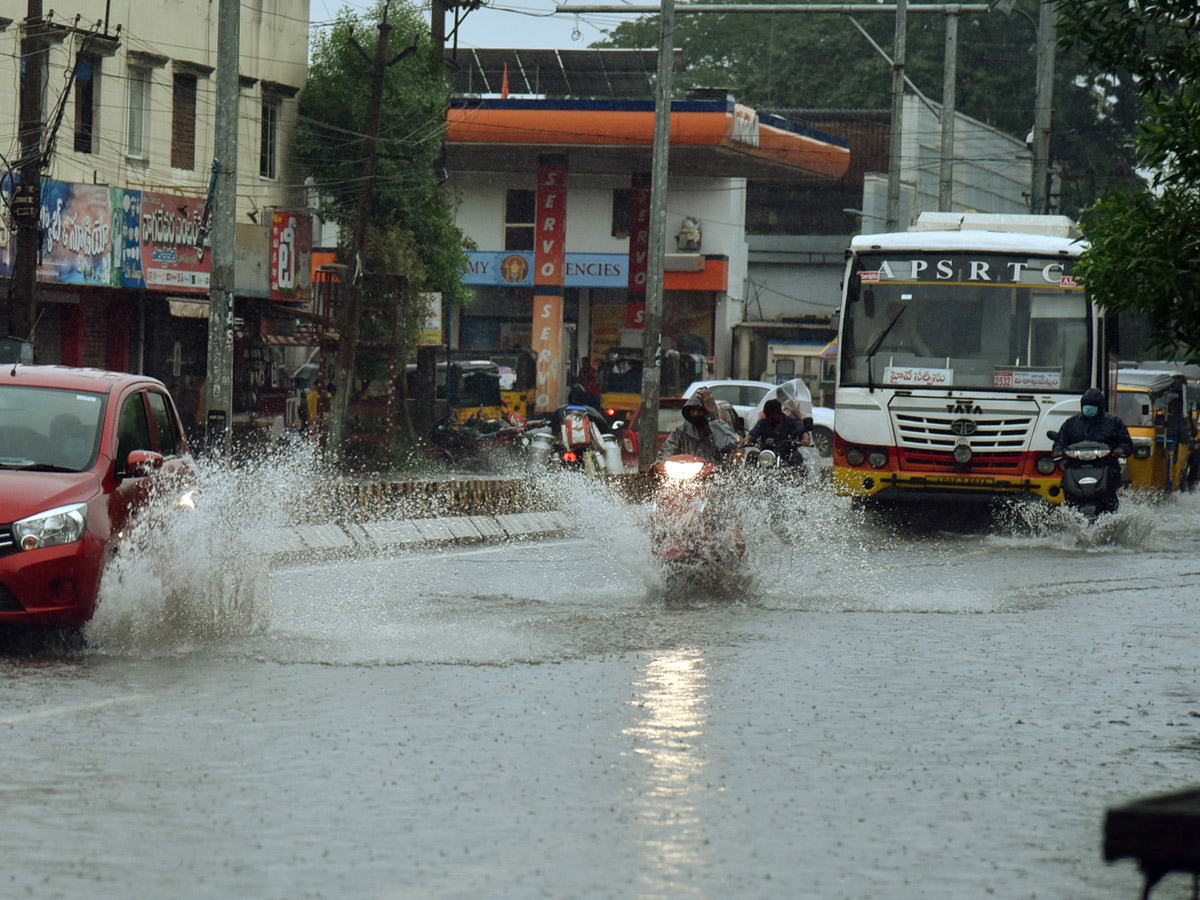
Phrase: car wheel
[822,439]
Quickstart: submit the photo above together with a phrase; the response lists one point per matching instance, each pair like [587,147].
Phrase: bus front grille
[999,434]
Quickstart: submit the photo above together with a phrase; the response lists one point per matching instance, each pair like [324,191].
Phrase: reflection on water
[667,742]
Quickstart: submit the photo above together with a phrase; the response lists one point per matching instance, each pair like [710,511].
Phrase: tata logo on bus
[963,408]
[963,427]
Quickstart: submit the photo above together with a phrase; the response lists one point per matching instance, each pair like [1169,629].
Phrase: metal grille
[993,434]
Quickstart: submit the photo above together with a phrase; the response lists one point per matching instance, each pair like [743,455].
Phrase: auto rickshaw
[1154,407]
[518,380]
[621,378]
[476,389]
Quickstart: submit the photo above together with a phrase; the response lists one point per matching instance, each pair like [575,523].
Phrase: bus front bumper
[901,486]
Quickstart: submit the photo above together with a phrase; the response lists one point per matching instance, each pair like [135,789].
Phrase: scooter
[1088,477]
[792,458]
[693,534]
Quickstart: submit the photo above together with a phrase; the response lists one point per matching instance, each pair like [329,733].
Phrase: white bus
[961,342]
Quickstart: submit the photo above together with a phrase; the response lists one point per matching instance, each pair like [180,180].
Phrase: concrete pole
[1047,33]
[949,95]
[219,387]
[895,147]
[651,334]
[27,203]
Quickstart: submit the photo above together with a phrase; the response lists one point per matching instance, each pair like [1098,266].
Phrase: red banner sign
[549,250]
[639,250]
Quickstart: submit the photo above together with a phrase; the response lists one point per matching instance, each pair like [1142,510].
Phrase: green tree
[806,61]
[1145,241]
[412,231]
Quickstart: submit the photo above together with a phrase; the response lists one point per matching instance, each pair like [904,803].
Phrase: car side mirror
[140,463]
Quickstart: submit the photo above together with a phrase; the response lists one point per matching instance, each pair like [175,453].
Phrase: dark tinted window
[164,424]
[133,430]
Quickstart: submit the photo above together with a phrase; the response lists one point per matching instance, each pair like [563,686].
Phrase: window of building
[268,161]
[138,111]
[622,205]
[87,93]
[183,121]
[519,212]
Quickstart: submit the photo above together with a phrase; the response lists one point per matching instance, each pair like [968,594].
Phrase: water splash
[185,576]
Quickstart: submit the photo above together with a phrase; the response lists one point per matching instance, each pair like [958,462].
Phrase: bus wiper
[874,348]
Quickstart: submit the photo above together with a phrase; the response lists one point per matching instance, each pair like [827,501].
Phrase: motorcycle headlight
[682,470]
[63,525]
[767,459]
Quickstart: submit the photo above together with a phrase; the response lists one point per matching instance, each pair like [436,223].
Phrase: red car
[80,452]
[670,414]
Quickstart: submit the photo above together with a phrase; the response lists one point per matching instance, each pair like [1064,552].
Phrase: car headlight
[63,525]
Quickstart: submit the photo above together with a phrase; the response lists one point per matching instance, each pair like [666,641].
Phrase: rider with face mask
[702,432]
[1094,424]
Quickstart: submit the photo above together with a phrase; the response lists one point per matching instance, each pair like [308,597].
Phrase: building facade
[124,262]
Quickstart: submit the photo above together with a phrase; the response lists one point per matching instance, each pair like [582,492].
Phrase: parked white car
[743,396]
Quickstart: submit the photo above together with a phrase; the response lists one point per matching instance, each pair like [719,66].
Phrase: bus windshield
[965,320]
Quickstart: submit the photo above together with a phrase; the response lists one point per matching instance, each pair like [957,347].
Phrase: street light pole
[1047,33]
[652,327]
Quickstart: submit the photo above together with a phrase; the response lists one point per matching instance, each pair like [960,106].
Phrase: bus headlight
[877,458]
[962,454]
[855,456]
[1045,465]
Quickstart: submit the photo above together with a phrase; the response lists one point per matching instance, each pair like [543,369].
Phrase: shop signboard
[514,268]
[8,228]
[430,333]
[127,242]
[170,235]
[77,234]
[291,256]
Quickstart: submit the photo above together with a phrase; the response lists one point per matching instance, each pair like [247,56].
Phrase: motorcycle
[1088,477]
[574,437]
[794,458]
[477,443]
[694,535]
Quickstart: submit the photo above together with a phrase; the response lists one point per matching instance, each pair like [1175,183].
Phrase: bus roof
[982,241]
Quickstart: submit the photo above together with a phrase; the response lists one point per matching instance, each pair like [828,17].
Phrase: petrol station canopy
[590,104]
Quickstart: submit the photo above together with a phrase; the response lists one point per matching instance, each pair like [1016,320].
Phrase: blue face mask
[1090,411]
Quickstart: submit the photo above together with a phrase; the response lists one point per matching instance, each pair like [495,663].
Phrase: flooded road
[879,713]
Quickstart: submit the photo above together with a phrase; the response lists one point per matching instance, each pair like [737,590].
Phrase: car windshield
[48,429]
[964,320]
[669,418]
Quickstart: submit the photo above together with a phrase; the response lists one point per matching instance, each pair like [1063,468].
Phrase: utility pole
[27,195]
[339,405]
[949,100]
[219,386]
[896,145]
[651,331]
[1047,33]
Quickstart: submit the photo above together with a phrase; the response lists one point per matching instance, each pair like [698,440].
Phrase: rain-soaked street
[877,713]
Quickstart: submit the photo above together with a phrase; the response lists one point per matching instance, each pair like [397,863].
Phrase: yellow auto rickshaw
[474,393]
[1154,407]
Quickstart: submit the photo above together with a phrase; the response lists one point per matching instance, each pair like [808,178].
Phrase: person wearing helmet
[1094,423]
[702,432]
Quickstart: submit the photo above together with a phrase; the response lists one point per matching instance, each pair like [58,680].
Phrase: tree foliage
[1145,252]
[807,61]
[411,224]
